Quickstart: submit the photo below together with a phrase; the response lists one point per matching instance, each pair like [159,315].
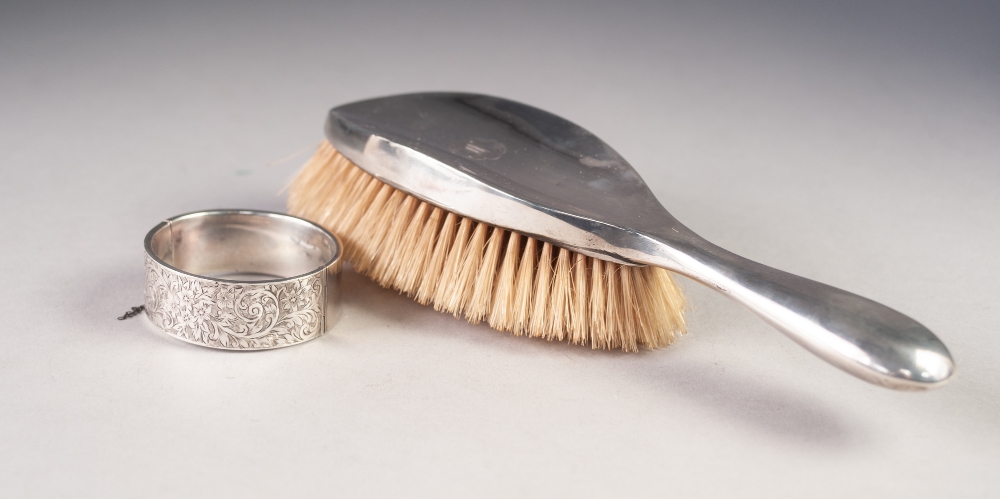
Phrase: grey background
[855,144]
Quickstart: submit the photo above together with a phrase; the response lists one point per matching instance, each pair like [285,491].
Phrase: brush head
[474,269]
[507,164]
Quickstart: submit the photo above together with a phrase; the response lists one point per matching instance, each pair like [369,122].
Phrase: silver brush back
[523,169]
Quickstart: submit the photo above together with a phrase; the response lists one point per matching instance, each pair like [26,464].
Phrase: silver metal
[242,279]
[524,169]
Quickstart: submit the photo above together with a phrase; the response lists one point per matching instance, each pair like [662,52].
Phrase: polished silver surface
[241,279]
[524,169]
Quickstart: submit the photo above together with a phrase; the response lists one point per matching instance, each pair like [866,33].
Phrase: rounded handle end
[929,368]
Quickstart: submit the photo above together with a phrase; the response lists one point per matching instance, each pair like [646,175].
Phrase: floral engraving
[234,316]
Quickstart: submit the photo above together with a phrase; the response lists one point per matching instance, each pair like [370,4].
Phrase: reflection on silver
[524,169]
[242,280]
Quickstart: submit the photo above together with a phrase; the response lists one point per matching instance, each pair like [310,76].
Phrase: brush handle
[860,336]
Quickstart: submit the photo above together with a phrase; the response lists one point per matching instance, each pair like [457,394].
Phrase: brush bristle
[485,273]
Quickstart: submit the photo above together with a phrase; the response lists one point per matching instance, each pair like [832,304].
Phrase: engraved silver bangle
[242,279]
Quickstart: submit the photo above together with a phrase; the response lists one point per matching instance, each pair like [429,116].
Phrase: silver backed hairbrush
[536,175]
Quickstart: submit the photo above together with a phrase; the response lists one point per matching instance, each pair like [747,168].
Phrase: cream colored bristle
[372,228]
[446,295]
[438,241]
[628,309]
[538,321]
[501,313]
[578,301]
[407,268]
[525,289]
[468,268]
[559,297]
[386,269]
[612,306]
[366,194]
[478,306]
[598,297]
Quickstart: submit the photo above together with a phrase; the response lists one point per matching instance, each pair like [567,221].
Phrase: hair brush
[501,212]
